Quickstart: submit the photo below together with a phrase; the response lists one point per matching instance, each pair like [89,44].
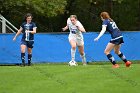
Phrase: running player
[116,41]
[28,28]
[75,37]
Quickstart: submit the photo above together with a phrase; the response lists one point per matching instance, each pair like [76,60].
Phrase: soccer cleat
[29,64]
[115,66]
[22,64]
[84,63]
[128,63]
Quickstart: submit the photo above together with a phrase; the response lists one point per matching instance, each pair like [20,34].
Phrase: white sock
[73,54]
[83,59]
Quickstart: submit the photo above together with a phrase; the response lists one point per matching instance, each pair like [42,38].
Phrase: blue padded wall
[55,47]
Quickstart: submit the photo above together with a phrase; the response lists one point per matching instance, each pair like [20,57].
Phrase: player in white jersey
[75,37]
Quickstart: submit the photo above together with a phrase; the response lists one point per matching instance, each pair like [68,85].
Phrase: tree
[46,9]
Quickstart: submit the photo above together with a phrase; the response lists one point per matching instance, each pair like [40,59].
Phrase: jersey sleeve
[34,25]
[22,25]
[68,21]
[105,22]
[79,24]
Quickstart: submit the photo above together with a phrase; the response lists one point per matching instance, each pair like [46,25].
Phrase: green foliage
[124,12]
[51,15]
[42,10]
[45,7]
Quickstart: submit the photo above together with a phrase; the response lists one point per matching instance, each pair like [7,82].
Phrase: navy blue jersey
[112,28]
[28,26]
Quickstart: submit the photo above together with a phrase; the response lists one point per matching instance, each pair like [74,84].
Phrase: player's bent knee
[29,52]
[82,53]
[106,52]
[117,52]
[22,51]
[73,47]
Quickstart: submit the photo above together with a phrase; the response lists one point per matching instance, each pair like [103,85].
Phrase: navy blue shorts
[29,44]
[117,41]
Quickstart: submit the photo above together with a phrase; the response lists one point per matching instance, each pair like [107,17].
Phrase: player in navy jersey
[28,28]
[116,41]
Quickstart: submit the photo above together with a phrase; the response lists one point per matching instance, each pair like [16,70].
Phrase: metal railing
[7,24]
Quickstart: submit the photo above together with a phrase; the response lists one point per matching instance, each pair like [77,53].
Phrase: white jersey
[74,30]
[75,34]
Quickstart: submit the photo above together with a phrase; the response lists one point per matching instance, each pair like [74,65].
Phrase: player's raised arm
[65,28]
[81,28]
[34,30]
[18,33]
[101,33]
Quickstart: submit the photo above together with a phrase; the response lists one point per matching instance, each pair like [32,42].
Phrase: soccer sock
[83,58]
[29,58]
[73,54]
[111,58]
[23,58]
[123,57]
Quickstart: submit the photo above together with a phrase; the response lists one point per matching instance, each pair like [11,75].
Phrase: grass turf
[61,78]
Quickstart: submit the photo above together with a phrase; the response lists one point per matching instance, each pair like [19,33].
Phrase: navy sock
[23,58]
[29,58]
[123,57]
[111,58]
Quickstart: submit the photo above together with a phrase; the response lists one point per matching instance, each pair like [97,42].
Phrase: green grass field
[61,78]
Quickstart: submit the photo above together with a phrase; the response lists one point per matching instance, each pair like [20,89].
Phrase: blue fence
[56,48]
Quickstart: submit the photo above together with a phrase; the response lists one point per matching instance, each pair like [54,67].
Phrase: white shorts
[79,40]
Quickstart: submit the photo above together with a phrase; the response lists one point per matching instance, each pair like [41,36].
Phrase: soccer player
[116,41]
[75,37]
[28,28]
